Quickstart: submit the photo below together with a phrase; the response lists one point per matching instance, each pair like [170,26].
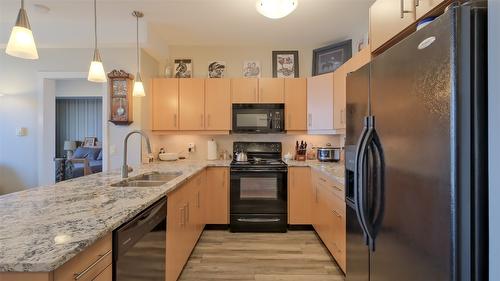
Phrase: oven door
[258,192]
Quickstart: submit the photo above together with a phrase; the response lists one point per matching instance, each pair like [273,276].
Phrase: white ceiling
[189,22]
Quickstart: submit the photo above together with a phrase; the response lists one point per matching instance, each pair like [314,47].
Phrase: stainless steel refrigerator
[416,155]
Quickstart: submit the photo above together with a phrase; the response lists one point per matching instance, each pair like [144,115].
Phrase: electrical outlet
[21,132]
[191,147]
[112,149]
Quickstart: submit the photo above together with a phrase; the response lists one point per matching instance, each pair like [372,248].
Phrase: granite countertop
[44,227]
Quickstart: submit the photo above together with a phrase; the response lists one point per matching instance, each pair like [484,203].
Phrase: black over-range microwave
[258,118]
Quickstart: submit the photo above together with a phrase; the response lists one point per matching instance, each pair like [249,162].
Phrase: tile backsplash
[179,143]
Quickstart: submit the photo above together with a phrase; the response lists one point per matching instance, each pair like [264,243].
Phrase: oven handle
[258,220]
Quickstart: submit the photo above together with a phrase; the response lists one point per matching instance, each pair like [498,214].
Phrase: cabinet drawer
[88,264]
[106,275]
[330,185]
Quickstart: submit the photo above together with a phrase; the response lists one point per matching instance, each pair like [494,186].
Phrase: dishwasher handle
[127,235]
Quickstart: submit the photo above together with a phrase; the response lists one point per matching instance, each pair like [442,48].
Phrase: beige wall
[234,56]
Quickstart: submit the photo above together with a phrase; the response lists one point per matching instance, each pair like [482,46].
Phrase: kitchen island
[43,228]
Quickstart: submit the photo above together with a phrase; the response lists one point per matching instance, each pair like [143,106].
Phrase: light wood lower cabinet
[216,196]
[329,215]
[299,195]
[185,222]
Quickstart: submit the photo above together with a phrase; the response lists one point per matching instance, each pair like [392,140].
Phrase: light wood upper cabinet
[165,96]
[299,195]
[296,104]
[388,18]
[271,90]
[425,6]
[217,196]
[339,85]
[218,104]
[244,90]
[192,104]
[320,103]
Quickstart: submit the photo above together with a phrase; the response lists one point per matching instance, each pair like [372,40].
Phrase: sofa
[85,161]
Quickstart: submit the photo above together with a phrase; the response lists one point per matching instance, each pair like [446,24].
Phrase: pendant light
[138,86]
[276,9]
[96,70]
[21,42]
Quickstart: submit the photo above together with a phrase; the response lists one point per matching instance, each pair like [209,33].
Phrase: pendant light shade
[138,87]
[138,90]
[21,42]
[96,70]
[276,9]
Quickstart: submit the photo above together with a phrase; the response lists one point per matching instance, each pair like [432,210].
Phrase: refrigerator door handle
[359,178]
[378,192]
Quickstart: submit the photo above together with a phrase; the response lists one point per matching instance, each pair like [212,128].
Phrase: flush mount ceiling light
[96,70]
[138,86]
[276,9]
[21,42]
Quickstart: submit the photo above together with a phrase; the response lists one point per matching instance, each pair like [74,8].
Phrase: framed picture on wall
[286,64]
[183,68]
[329,58]
[89,141]
[216,69]
[251,69]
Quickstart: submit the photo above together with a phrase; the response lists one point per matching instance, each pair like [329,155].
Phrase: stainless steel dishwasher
[139,245]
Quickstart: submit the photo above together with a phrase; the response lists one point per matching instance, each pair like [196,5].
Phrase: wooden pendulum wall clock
[121,102]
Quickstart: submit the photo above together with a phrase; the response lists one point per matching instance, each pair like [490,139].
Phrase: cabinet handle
[201,121]
[198,200]
[208,120]
[175,120]
[288,121]
[337,188]
[417,3]
[309,119]
[182,212]
[336,214]
[342,116]
[403,11]
[187,212]
[322,179]
[255,94]
[316,187]
[79,275]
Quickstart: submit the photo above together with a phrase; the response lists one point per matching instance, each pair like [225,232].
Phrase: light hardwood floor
[292,256]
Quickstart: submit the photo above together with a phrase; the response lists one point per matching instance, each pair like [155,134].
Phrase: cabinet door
[218,104]
[217,196]
[176,222]
[192,103]
[165,104]
[388,18]
[295,104]
[299,195]
[425,6]
[271,90]
[320,102]
[244,90]
[339,85]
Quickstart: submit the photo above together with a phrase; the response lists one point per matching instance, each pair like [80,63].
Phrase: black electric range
[258,191]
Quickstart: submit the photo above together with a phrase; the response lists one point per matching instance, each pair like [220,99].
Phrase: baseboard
[300,227]
[217,227]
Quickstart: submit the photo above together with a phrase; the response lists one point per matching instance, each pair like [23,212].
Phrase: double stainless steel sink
[148,180]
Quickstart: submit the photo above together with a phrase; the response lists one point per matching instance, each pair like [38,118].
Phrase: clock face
[120,87]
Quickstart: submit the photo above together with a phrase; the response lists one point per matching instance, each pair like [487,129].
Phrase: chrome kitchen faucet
[125,168]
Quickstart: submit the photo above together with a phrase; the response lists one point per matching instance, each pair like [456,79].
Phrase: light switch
[21,132]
